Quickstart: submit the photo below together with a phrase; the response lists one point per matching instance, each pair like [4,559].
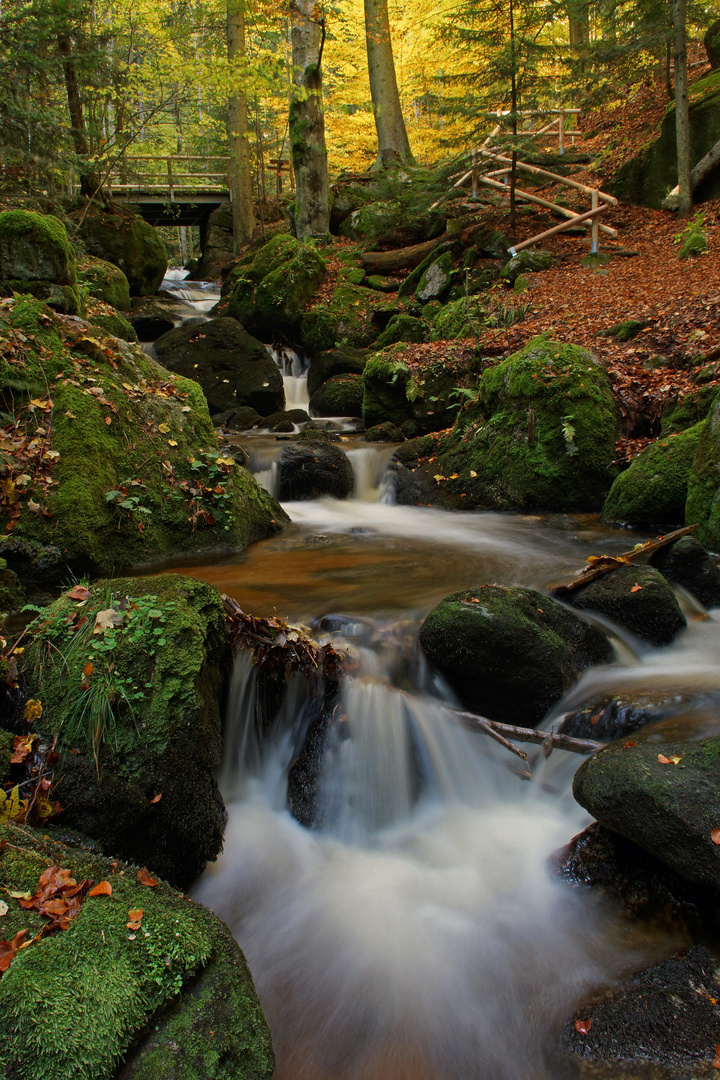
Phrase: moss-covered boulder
[125,240]
[384,384]
[509,653]
[309,470]
[462,318]
[112,323]
[436,280]
[37,258]
[647,178]
[653,490]
[132,674]
[688,409]
[352,316]
[526,262]
[172,998]
[637,598]
[384,433]
[402,328]
[342,395]
[686,563]
[12,594]
[391,223]
[233,368]
[668,808]
[106,282]
[117,461]
[428,396]
[344,360]
[272,301]
[703,501]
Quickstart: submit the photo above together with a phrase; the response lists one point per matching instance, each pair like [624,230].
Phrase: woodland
[359,472]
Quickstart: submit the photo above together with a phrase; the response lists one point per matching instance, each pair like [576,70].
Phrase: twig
[479,723]
[613,562]
[531,735]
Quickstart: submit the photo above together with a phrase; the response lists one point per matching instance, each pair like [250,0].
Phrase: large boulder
[509,653]
[116,459]
[342,395]
[218,244]
[106,282]
[436,280]
[384,382]
[352,315]
[402,328]
[132,674]
[172,998]
[152,317]
[686,563]
[344,360]
[647,178]
[391,223]
[130,243]
[660,791]
[637,598]
[233,368]
[37,257]
[703,501]
[271,299]
[653,490]
[309,470]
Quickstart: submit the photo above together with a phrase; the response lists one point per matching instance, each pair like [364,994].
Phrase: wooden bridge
[180,189]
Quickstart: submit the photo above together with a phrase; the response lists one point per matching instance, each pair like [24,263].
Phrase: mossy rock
[37,259]
[693,244]
[96,1001]
[390,223]
[686,563]
[159,674]
[65,299]
[529,648]
[637,598]
[106,282]
[348,317]
[667,810]
[344,360]
[12,594]
[703,501]
[529,261]
[410,284]
[627,330]
[114,324]
[274,302]
[128,242]
[125,446]
[356,276]
[647,178]
[384,386]
[402,328]
[381,284]
[342,395]
[463,318]
[436,280]
[653,490]
[309,469]
[688,410]
[384,433]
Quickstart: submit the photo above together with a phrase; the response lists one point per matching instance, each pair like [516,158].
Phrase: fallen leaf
[715,836]
[156,798]
[163,428]
[629,745]
[674,759]
[88,669]
[32,710]
[8,949]
[716,1062]
[135,915]
[107,620]
[3,908]
[103,888]
[78,592]
[636,588]
[19,895]
[583,1026]
[172,442]
[108,421]
[145,878]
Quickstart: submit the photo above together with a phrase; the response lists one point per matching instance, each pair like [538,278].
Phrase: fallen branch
[606,564]
[704,166]
[531,735]
[407,258]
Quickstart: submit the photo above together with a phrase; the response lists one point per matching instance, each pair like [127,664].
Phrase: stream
[416,933]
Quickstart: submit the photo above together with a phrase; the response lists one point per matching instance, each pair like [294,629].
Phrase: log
[407,258]
[703,168]
[612,562]
[510,731]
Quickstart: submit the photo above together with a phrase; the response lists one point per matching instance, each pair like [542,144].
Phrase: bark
[579,24]
[307,123]
[77,120]
[703,168]
[393,142]
[387,262]
[682,111]
[238,135]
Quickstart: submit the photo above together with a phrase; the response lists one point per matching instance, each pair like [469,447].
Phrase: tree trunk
[682,114]
[238,135]
[307,123]
[77,121]
[393,142]
[579,25]
[703,168]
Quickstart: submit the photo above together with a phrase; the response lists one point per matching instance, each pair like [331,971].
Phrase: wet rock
[304,773]
[615,719]
[667,1016]
[342,395]
[509,653]
[687,563]
[344,360]
[703,502]
[37,257]
[666,806]
[241,419]
[151,319]
[293,416]
[106,282]
[653,490]
[650,612]
[232,367]
[127,241]
[384,433]
[310,470]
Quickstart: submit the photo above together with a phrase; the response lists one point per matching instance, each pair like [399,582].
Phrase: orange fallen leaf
[8,949]
[716,1062]
[674,759]
[715,836]
[636,588]
[78,592]
[583,1026]
[145,878]
[135,916]
[629,745]
[88,669]
[104,888]
[156,798]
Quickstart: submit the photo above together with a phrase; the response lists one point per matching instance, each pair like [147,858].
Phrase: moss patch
[347,317]
[703,502]
[105,282]
[130,243]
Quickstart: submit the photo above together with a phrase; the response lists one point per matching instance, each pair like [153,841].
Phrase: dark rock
[687,563]
[294,416]
[151,319]
[703,502]
[304,773]
[651,612]
[308,471]
[342,395]
[384,433]
[281,281]
[130,243]
[344,360]
[232,367]
[616,718]
[667,1015]
[218,246]
[509,653]
[241,419]
[12,594]
[711,41]
[402,328]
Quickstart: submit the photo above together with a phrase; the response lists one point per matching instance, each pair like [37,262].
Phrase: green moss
[653,490]
[688,410]
[279,250]
[384,384]
[346,318]
[159,468]
[114,325]
[356,276]
[703,502]
[462,318]
[402,328]
[270,301]
[6,741]
[130,243]
[626,331]
[341,395]
[106,282]
[12,595]
[75,1004]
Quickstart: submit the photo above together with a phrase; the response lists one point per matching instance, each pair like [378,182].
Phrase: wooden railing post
[561,132]
[475,186]
[170,179]
[595,232]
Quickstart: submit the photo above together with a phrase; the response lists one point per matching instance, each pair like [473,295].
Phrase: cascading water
[294,373]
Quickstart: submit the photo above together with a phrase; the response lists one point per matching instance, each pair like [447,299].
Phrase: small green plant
[693,238]
[568,431]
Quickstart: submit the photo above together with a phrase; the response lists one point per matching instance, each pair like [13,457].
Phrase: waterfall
[294,373]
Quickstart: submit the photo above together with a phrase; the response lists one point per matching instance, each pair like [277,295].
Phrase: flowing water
[416,932]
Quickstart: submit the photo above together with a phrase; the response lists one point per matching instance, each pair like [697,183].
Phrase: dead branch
[387,262]
[531,735]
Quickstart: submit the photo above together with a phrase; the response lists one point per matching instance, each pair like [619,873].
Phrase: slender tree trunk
[239,135]
[579,25]
[307,123]
[77,121]
[393,142]
[513,115]
[682,114]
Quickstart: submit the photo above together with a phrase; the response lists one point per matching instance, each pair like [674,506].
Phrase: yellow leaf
[32,711]
[163,428]
[171,442]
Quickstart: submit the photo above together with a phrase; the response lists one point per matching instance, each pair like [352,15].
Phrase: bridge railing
[172,175]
